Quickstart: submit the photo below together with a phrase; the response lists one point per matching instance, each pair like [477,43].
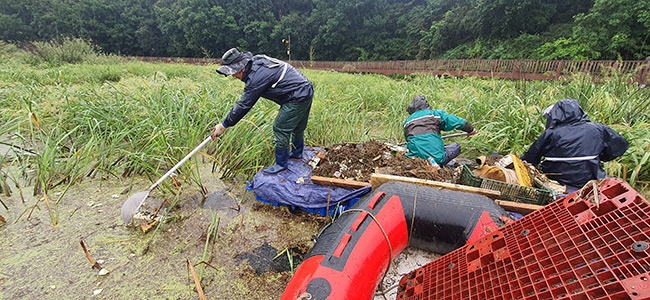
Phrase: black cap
[233,62]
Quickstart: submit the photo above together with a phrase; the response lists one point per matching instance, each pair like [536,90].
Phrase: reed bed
[68,122]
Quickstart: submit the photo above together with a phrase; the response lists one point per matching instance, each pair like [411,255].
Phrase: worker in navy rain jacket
[279,82]
[422,132]
[573,147]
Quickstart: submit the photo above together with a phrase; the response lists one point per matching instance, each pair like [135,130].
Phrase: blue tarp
[293,187]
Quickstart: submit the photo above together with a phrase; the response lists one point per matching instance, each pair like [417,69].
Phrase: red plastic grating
[579,247]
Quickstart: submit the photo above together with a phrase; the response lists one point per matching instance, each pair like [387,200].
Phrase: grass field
[103,116]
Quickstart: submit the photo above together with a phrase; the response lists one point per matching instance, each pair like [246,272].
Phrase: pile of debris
[511,169]
[357,162]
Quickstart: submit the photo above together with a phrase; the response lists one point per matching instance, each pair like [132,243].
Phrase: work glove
[218,131]
[474,132]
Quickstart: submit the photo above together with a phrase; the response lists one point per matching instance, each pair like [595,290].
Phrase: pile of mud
[357,161]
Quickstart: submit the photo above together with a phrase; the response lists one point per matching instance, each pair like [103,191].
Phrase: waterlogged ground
[40,260]
[247,260]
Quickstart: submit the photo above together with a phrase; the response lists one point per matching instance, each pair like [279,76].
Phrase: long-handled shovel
[131,206]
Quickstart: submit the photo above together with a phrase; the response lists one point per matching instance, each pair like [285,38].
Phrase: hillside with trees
[341,30]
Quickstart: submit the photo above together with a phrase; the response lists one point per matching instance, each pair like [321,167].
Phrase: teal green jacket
[422,133]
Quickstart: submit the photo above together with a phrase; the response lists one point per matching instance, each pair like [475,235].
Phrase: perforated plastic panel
[579,247]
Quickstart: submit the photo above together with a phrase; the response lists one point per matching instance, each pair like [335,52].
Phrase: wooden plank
[378,179]
[522,208]
[344,183]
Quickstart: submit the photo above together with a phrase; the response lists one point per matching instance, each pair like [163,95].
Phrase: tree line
[341,30]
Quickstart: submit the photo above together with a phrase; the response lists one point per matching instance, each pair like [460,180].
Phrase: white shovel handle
[180,163]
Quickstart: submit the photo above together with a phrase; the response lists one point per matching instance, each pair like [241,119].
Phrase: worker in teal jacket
[422,132]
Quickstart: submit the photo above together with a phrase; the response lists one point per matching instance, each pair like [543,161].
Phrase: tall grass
[64,51]
[102,118]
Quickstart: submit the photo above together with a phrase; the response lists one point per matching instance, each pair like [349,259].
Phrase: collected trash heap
[331,179]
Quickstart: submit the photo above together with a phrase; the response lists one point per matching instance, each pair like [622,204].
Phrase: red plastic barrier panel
[592,244]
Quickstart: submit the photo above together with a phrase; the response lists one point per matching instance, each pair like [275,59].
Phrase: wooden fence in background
[636,71]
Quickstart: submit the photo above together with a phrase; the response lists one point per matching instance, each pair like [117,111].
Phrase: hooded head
[565,111]
[418,103]
[233,62]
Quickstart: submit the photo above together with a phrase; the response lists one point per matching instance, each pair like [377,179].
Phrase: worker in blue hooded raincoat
[279,82]
[572,147]
[422,132]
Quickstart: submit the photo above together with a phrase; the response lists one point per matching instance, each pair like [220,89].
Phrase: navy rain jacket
[573,147]
[272,79]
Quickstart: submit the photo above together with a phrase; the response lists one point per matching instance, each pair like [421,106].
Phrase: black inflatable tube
[438,221]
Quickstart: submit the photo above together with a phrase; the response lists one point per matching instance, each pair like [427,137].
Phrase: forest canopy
[342,30]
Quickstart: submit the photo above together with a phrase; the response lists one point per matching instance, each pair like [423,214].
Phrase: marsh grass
[120,119]
[289,254]
[211,235]
[60,160]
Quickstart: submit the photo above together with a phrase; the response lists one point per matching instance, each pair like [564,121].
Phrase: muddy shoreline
[45,261]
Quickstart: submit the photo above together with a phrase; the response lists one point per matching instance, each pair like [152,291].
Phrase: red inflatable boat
[351,256]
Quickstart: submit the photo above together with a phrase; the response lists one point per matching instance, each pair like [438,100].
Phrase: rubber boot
[281,160]
[298,146]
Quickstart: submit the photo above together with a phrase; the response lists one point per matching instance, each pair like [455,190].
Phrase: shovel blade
[131,205]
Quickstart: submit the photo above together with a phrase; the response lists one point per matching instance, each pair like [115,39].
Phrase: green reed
[132,118]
